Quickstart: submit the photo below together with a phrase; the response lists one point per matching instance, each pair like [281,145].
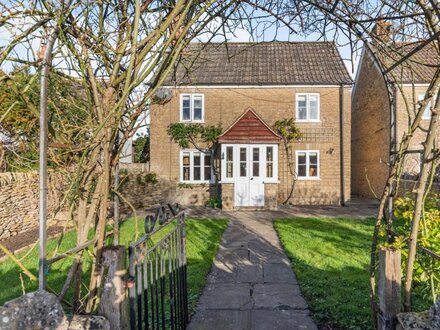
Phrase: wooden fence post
[389,287]
[114,303]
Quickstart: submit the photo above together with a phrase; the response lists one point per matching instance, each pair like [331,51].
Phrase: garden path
[251,284]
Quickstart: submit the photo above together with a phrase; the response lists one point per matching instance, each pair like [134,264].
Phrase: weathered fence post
[114,301]
[389,287]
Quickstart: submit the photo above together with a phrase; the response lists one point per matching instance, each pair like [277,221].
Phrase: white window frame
[421,97]
[202,166]
[191,110]
[308,120]
[308,152]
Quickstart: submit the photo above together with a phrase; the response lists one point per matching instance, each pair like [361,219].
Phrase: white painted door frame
[250,171]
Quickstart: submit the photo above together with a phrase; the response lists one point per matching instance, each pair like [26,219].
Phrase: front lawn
[203,239]
[331,258]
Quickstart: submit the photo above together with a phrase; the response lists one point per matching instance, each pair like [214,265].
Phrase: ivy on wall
[199,136]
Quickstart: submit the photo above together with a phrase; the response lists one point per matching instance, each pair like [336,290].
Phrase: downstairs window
[195,166]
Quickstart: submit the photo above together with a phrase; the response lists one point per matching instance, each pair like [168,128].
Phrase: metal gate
[157,268]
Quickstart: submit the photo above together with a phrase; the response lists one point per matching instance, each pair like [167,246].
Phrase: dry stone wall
[142,190]
[19,201]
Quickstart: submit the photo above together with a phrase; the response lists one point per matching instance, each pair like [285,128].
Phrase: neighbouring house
[382,109]
[246,88]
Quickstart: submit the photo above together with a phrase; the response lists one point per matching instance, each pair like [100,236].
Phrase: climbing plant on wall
[286,128]
[198,136]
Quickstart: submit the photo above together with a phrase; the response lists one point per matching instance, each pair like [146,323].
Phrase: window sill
[309,179]
[192,121]
[307,121]
[195,182]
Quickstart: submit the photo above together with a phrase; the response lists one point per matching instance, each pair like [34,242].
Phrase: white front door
[248,166]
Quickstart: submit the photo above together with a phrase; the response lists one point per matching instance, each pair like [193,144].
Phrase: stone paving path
[251,284]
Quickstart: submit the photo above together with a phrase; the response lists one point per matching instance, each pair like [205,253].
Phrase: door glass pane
[243,161]
[269,162]
[302,107]
[186,107]
[207,168]
[256,162]
[186,166]
[229,162]
[197,108]
[197,171]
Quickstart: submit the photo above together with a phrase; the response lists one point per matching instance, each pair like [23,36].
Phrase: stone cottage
[383,108]
[245,88]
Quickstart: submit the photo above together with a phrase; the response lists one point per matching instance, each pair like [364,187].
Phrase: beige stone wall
[142,189]
[224,105]
[271,196]
[370,132]
[406,111]
[19,201]
[227,196]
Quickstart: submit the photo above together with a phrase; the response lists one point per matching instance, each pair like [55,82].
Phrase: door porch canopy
[249,128]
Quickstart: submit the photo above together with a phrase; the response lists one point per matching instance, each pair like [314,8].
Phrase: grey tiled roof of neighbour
[419,68]
[266,63]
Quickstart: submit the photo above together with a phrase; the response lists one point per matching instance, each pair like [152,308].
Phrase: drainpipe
[42,203]
[341,142]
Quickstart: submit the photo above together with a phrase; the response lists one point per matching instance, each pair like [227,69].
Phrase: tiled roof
[418,68]
[266,63]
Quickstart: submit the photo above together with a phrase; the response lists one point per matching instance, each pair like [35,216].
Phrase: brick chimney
[383,30]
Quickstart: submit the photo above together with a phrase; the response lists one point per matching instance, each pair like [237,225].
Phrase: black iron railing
[157,266]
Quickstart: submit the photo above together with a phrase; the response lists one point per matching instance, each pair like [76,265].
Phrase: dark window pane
[301,159]
[229,169]
[207,173]
[229,154]
[313,107]
[243,169]
[269,154]
[269,170]
[198,108]
[243,154]
[207,160]
[313,158]
[196,159]
[302,170]
[186,108]
[197,175]
[302,107]
[256,169]
[256,154]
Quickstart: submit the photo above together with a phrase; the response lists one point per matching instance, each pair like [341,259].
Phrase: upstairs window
[195,166]
[192,108]
[307,107]
[307,164]
[427,111]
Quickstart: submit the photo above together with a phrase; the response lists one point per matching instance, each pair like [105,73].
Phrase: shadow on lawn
[203,238]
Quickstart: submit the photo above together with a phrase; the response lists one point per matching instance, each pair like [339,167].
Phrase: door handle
[252,178]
